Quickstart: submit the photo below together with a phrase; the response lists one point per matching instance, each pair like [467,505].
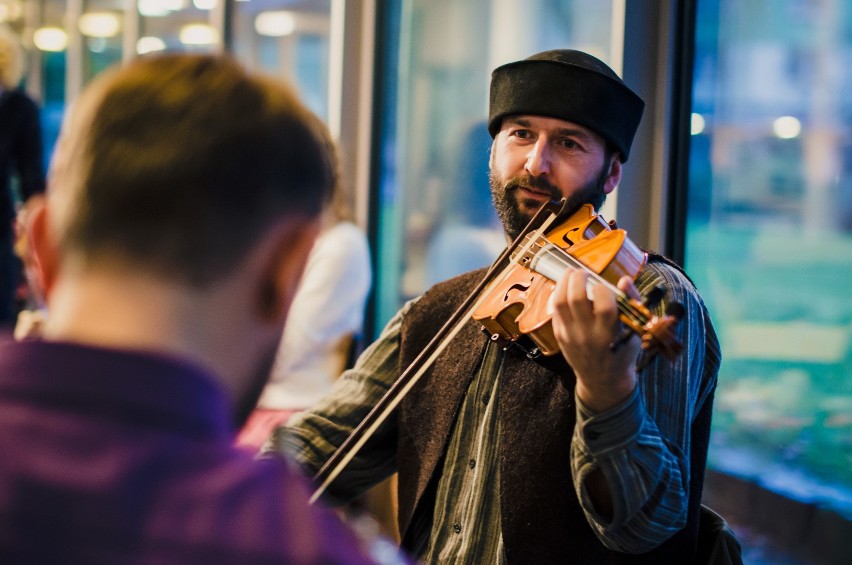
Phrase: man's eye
[521,133]
[569,144]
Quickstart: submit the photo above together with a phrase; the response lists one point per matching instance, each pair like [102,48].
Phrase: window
[289,39]
[101,27]
[434,215]
[769,238]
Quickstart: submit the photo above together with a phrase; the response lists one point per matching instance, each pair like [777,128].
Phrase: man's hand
[585,329]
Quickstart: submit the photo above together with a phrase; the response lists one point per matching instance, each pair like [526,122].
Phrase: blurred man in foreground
[183,200]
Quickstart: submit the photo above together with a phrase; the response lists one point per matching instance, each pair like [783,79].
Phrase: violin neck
[553,262]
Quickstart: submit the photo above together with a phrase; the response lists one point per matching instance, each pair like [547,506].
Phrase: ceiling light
[50,39]
[99,24]
[198,34]
[696,124]
[10,11]
[149,44]
[275,24]
[153,8]
[787,127]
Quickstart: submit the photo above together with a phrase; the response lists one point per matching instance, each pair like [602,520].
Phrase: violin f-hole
[565,238]
[519,287]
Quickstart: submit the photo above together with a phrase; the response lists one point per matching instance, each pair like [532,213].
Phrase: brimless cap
[569,85]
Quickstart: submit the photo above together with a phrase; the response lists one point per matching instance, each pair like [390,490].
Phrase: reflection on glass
[149,44]
[289,39]
[51,40]
[176,25]
[99,24]
[435,217]
[278,23]
[198,34]
[155,8]
[769,239]
[11,10]
[101,27]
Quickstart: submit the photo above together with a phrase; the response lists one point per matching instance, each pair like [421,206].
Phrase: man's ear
[290,248]
[38,250]
[614,175]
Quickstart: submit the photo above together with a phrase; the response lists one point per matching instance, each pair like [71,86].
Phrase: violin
[512,300]
[517,302]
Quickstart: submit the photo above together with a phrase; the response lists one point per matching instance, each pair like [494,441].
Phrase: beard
[508,204]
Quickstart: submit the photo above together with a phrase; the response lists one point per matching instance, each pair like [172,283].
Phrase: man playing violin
[594,455]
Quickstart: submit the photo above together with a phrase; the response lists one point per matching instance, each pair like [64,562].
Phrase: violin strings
[564,259]
[622,299]
[569,261]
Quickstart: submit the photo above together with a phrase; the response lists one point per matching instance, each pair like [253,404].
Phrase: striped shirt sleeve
[312,437]
[642,446]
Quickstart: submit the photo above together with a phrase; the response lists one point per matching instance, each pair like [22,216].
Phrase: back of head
[569,85]
[177,164]
[11,58]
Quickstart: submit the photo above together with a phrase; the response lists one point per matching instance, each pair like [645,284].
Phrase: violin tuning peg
[654,296]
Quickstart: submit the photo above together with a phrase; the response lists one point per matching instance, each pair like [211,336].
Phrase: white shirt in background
[327,310]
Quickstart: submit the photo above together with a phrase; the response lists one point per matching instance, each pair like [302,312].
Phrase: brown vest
[542,521]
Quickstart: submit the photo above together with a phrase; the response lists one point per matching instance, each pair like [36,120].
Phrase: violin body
[507,316]
[518,300]
[600,246]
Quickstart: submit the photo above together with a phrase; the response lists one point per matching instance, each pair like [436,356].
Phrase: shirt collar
[151,388]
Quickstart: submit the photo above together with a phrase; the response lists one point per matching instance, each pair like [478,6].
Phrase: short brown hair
[184,161]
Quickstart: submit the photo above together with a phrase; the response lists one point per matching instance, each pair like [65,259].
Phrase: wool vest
[542,520]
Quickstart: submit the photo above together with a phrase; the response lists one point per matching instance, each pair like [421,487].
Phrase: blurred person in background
[20,159]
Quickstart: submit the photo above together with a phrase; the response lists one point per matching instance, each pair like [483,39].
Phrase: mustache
[537,183]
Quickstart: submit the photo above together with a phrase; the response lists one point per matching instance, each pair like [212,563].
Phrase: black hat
[569,85]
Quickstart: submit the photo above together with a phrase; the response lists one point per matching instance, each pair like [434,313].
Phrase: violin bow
[412,374]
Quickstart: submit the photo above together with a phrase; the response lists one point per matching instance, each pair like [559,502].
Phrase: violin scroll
[657,332]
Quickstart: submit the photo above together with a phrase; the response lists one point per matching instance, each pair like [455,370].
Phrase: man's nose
[538,159]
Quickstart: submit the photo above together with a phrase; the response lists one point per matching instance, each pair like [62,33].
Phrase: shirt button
[457,528]
[472,463]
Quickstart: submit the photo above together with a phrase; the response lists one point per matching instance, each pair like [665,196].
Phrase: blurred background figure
[324,323]
[469,235]
[21,164]
[321,339]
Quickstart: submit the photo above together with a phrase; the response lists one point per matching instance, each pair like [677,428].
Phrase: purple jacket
[111,456]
